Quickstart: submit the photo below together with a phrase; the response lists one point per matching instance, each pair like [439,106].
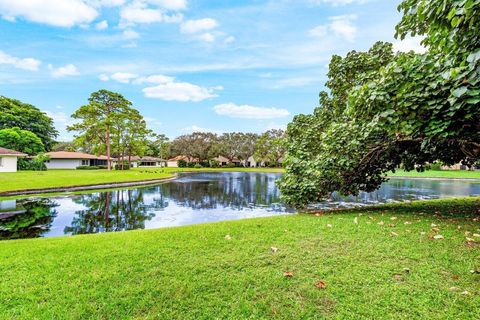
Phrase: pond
[190,199]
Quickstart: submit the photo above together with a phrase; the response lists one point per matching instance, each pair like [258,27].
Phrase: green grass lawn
[459,174]
[25,180]
[386,266]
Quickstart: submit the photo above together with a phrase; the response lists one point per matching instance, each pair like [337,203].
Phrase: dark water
[195,198]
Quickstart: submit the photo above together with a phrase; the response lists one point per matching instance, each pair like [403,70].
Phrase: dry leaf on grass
[321,284]
[437,237]
[274,249]
[228,237]
[393,218]
[393,234]
[329,225]
[355,220]
[381,223]
[288,274]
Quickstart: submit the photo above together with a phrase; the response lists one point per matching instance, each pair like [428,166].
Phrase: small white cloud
[103,77]
[228,40]
[195,128]
[155,79]
[170,4]
[64,13]
[130,34]
[249,112]
[66,70]
[200,25]
[105,3]
[20,63]
[409,44]
[102,25]
[138,12]
[207,37]
[318,31]
[123,77]
[179,91]
[341,26]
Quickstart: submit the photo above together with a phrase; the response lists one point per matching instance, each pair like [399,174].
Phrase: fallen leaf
[467,233]
[436,230]
[423,233]
[465,293]
[391,225]
[318,214]
[288,274]
[393,218]
[228,237]
[455,277]
[398,277]
[476,235]
[381,223]
[475,271]
[274,249]
[321,284]
[433,225]
[355,220]
[329,225]
[438,236]
[470,239]
[393,234]
[407,222]
[452,289]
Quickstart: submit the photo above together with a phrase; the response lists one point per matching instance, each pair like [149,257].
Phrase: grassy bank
[388,265]
[26,180]
[447,174]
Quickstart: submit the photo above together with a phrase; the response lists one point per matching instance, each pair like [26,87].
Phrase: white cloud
[61,121]
[103,77]
[341,26]
[207,37]
[318,31]
[230,39]
[138,12]
[200,25]
[30,64]
[156,79]
[409,44]
[249,112]
[179,91]
[170,4]
[64,13]
[102,25]
[130,34]
[66,70]
[105,3]
[123,77]
[195,128]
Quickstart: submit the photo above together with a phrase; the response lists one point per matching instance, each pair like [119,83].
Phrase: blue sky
[187,65]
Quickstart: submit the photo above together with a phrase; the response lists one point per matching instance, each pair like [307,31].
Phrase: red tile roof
[73,155]
[9,152]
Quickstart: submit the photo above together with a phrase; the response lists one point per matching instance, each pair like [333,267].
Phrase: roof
[9,152]
[73,155]
[183,158]
[145,158]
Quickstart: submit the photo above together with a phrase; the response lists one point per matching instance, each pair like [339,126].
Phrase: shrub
[436,166]
[120,167]
[214,164]
[31,164]
[231,165]
[182,163]
[88,168]
[198,166]
[190,164]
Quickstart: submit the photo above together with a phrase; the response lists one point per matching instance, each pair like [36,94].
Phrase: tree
[159,146]
[14,113]
[385,110]
[97,119]
[197,145]
[21,140]
[270,146]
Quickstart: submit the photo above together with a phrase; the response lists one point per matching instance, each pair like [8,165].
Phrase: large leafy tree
[159,146]
[387,110]
[97,121]
[21,140]
[14,113]
[197,145]
[270,146]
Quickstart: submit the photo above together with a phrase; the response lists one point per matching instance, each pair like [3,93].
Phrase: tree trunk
[109,165]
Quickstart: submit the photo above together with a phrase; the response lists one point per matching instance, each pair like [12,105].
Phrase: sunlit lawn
[459,174]
[386,266]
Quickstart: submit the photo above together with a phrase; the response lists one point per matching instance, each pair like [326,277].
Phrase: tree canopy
[387,109]
[21,140]
[14,113]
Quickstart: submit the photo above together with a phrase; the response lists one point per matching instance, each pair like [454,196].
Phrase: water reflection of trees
[227,192]
[110,211]
[29,219]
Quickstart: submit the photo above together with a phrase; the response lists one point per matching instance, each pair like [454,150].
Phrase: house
[72,160]
[144,162]
[460,166]
[8,159]
[173,162]
[223,161]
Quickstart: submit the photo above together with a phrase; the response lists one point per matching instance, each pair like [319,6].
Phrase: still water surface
[191,199]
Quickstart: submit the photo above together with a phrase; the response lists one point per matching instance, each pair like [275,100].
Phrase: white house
[72,160]
[144,162]
[8,160]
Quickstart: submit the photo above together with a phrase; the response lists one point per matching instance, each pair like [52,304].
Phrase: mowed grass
[386,266]
[448,174]
[27,180]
